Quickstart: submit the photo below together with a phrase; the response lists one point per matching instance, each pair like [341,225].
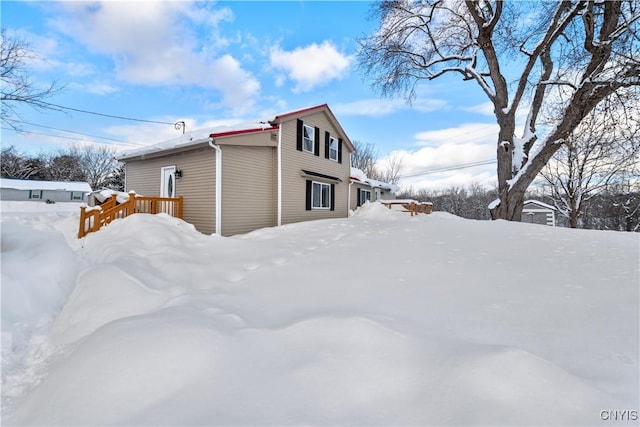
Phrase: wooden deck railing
[93,219]
[414,208]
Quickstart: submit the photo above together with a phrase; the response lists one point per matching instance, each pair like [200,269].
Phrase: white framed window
[320,195]
[308,138]
[35,194]
[333,149]
[77,195]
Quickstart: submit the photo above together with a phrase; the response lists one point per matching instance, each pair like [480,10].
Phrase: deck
[93,219]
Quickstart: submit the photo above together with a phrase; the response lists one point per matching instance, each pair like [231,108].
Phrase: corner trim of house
[218,185]
[279,155]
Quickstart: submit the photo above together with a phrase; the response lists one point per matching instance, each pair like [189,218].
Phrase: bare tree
[17,85]
[18,166]
[391,168]
[97,163]
[364,158]
[601,151]
[64,167]
[586,50]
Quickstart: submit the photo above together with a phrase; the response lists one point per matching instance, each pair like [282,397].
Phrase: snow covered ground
[379,319]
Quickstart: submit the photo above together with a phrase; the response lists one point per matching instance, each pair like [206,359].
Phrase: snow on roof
[198,136]
[359,175]
[541,204]
[25,184]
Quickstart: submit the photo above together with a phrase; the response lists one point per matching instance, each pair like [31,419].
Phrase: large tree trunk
[510,207]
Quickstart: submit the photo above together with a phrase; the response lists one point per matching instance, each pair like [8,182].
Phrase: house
[295,167]
[52,191]
[536,212]
[362,188]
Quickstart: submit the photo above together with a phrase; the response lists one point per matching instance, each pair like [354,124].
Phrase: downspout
[349,198]
[218,185]
[279,154]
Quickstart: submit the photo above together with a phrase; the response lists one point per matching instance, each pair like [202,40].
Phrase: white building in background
[42,191]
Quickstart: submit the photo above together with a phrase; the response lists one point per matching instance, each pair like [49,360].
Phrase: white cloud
[377,107]
[96,88]
[466,132]
[312,65]
[369,107]
[155,43]
[485,109]
[451,149]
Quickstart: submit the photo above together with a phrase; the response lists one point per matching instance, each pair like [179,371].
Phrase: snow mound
[378,211]
[37,275]
[379,319]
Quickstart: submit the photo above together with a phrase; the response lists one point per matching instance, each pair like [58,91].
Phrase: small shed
[537,212]
[42,191]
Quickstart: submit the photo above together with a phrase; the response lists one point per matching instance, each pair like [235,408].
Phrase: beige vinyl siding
[197,185]
[267,138]
[293,161]
[248,188]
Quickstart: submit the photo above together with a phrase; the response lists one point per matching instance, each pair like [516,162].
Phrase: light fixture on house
[178,173]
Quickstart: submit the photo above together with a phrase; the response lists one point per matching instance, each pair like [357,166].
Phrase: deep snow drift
[379,319]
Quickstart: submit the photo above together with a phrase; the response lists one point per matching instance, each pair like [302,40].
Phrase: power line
[448,168]
[71,131]
[105,115]
[68,137]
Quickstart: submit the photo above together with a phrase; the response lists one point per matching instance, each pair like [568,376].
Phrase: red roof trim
[304,110]
[242,131]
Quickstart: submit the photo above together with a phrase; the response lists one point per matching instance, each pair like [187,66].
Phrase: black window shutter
[308,194]
[327,142]
[359,197]
[317,142]
[333,197]
[299,135]
[340,150]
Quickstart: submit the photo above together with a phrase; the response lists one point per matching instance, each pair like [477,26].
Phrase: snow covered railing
[411,206]
[92,219]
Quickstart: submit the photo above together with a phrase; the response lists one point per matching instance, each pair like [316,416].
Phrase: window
[77,195]
[308,138]
[364,196]
[35,194]
[320,195]
[333,149]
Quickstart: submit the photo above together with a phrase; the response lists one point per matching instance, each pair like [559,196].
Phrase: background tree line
[95,165]
[616,207]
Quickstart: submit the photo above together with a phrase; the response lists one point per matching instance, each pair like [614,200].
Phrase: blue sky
[227,62]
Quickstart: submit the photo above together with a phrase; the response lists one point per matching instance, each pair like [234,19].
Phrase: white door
[168,182]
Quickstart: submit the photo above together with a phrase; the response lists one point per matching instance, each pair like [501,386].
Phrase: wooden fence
[93,219]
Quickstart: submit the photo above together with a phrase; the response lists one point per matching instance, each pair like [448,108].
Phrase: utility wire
[448,168]
[68,137]
[105,115]
[71,131]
